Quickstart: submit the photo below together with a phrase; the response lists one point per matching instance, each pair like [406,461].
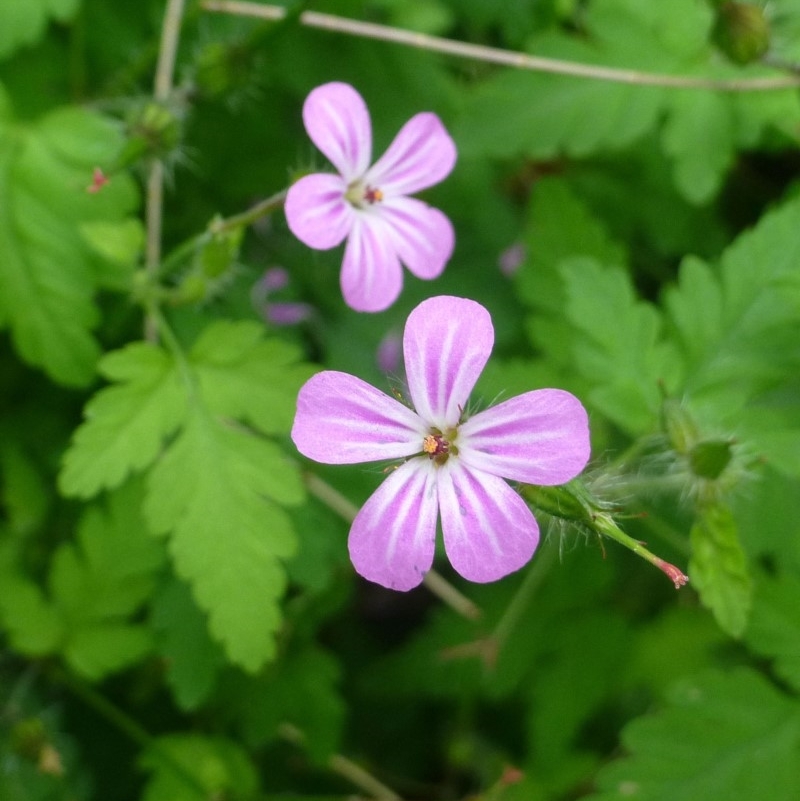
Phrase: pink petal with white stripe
[393,536]
[446,343]
[422,235]
[421,155]
[341,419]
[540,437]
[489,531]
[371,277]
[337,120]
[316,211]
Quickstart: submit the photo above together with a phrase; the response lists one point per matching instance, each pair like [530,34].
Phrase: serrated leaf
[192,658]
[187,767]
[736,327]
[125,424]
[245,376]
[718,568]
[619,349]
[774,627]
[23,23]
[209,493]
[723,738]
[48,274]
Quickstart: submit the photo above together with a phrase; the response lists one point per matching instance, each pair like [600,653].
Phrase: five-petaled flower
[368,205]
[454,466]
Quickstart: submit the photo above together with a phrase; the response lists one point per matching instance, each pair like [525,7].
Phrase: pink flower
[369,206]
[454,465]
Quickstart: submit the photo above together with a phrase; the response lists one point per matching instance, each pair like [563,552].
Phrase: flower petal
[446,344]
[393,536]
[341,419]
[337,120]
[422,235]
[371,276]
[489,531]
[541,437]
[421,155]
[316,211]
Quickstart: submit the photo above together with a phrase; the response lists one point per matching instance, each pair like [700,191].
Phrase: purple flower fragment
[453,464]
[369,205]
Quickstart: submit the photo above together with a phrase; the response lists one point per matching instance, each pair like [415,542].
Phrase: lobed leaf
[724,737]
[718,568]
[48,273]
[188,767]
[245,376]
[126,424]
[211,492]
[619,348]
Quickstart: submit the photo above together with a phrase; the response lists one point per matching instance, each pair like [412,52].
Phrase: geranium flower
[369,206]
[454,464]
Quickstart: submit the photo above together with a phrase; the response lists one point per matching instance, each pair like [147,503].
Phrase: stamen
[373,195]
[437,447]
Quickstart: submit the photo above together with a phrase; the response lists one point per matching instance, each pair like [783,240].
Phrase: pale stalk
[435,582]
[344,767]
[165,68]
[495,55]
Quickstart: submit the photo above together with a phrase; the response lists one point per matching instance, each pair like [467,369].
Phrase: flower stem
[165,68]
[604,524]
[219,226]
[344,767]
[434,581]
[496,55]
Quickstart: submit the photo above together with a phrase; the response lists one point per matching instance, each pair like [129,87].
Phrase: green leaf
[210,492]
[101,580]
[245,376]
[48,274]
[718,568]
[726,737]
[736,328]
[192,658]
[303,691]
[33,626]
[699,137]
[620,349]
[188,767]
[24,495]
[126,424]
[24,23]
[774,628]
[95,585]
[120,244]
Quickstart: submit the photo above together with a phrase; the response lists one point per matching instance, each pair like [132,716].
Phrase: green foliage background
[178,617]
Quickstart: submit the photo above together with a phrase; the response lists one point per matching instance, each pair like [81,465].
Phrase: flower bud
[741,31]
[708,459]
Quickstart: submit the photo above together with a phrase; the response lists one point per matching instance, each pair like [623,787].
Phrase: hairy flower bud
[741,31]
